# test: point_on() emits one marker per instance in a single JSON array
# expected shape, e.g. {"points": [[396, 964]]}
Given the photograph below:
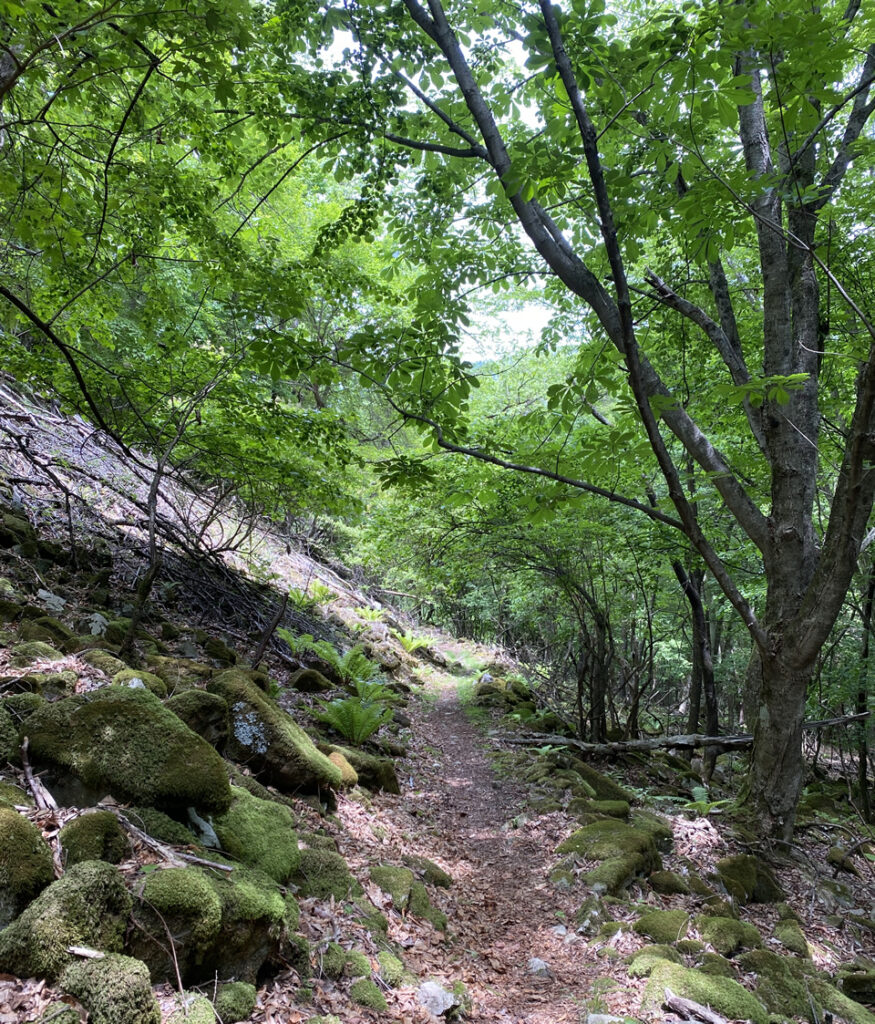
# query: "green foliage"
{"points": [[369, 614], [352, 667], [409, 641], [354, 718], [301, 600]]}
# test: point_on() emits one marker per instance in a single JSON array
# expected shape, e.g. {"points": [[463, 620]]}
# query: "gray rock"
{"points": [[540, 968], [435, 998]]}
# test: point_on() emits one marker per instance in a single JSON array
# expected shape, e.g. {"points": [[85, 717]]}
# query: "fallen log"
{"points": [[688, 1009], [690, 742]]}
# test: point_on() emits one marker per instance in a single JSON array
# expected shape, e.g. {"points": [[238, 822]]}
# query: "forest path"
{"points": [[502, 909]]}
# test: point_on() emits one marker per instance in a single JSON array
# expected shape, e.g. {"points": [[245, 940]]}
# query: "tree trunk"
{"points": [[863, 701]]}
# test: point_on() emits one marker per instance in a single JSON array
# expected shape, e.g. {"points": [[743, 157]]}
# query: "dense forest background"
{"points": [[292, 251]]}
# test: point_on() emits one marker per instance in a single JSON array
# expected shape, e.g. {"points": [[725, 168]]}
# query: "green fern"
{"points": [[301, 600], [370, 614], [354, 718], [369, 692], [409, 642], [350, 668], [321, 594]]}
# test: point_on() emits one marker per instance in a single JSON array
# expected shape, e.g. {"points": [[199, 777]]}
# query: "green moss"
{"points": [[642, 962], [204, 713], [714, 906], [428, 871], [420, 904], [690, 947], [185, 895], [25, 864], [22, 705], [47, 629], [610, 808], [94, 836], [395, 881], [59, 1013], [391, 969], [270, 740], [114, 990], [714, 963], [789, 933], [614, 874], [333, 960], [323, 874], [782, 987], [859, 986], [606, 839], [89, 906], [137, 679], [374, 773], [603, 788], [829, 997], [748, 879], [178, 674], [723, 995], [235, 1001], [366, 993], [668, 883], [195, 1009], [663, 926], [259, 833], [9, 745], [107, 663], [126, 741], [26, 653], [13, 796], [160, 826], [727, 935]]}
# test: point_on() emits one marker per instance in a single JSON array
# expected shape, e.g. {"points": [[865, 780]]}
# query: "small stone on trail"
{"points": [[435, 998], [602, 1018], [540, 968]]}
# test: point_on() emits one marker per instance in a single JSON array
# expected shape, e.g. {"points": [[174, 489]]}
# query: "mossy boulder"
{"points": [[235, 1001], [374, 773], [259, 833], [192, 1009], [25, 864], [24, 654], [107, 663], [428, 871], [269, 740], [9, 745], [204, 713], [604, 787], [723, 995], [89, 906], [178, 674], [789, 933], [727, 935], [715, 963], [337, 962], [420, 904], [668, 883], [324, 874], [48, 629], [643, 961], [137, 679], [391, 968], [160, 826], [748, 880], [113, 989], [59, 1013], [127, 743], [14, 796], [94, 836], [625, 852], [22, 705], [349, 776], [395, 881], [310, 680], [367, 993], [231, 923], [859, 986], [663, 926]]}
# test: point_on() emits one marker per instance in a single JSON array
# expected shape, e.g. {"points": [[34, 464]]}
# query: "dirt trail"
{"points": [[502, 909]]}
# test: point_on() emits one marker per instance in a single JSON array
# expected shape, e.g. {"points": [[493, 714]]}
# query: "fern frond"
{"points": [[353, 718]]}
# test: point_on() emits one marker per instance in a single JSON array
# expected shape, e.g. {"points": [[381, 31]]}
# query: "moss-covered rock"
{"points": [[269, 740], [259, 833], [114, 989], [22, 705], [160, 826], [624, 851], [137, 679], [391, 968], [727, 935], [789, 933], [235, 1001], [94, 836], [89, 906], [48, 630], [668, 883], [610, 808], [643, 961], [367, 993], [603, 787], [126, 742], [204, 713], [748, 880], [310, 680], [420, 904], [349, 776], [714, 963], [374, 773], [395, 881], [663, 926], [724, 995], [25, 864], [192, 1009], [230, 923], [14, 796], [27, 653], [9, 746], [428, 871], [859, 986], [59, 1013], [323, 874], [100, 659]]}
